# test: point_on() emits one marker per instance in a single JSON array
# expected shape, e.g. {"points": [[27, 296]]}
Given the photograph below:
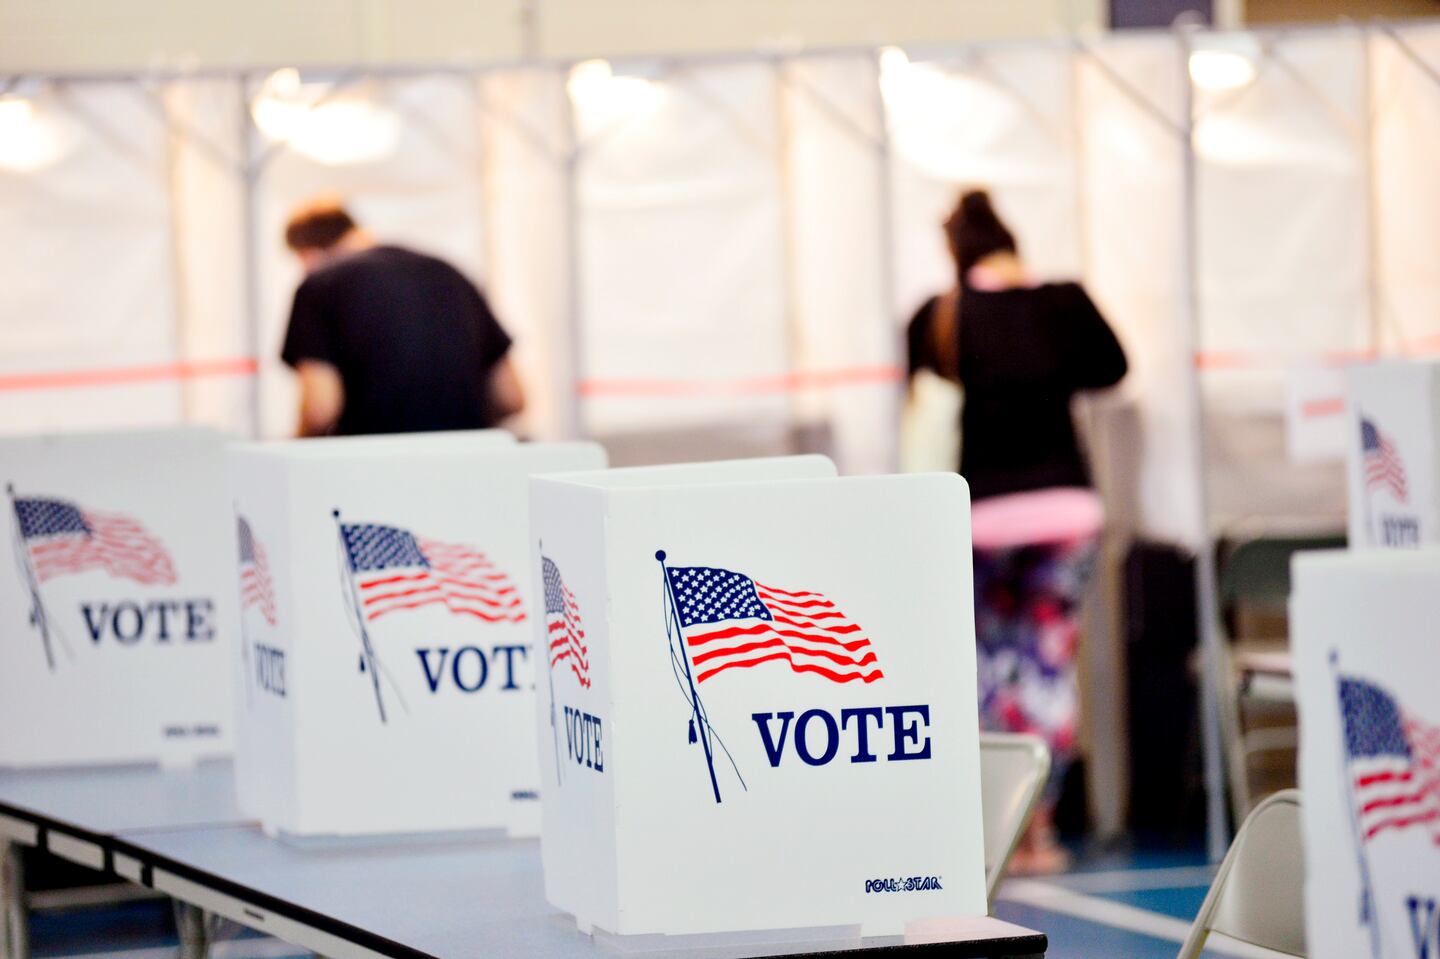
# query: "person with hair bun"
{"points": [[1021, 350]]}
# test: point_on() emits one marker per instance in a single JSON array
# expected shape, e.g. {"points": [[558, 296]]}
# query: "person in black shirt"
{"points": [[387, 340], [1021, 351]]}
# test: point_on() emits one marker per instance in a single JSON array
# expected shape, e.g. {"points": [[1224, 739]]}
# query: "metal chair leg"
{"points": [[14, 917], [194, 929]]}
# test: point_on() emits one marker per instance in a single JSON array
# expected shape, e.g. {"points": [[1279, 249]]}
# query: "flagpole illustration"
{"points": [[698, 720], [1367, 892], [550, 675], [1366, 493], [367, 651], [39, 618]]}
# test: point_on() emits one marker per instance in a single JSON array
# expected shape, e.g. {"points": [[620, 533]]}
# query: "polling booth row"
{"points": [[670, 675], [665, 239], [665, 673]]}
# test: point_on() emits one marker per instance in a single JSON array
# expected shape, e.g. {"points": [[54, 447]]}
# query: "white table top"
{"points": [[449, 897]]}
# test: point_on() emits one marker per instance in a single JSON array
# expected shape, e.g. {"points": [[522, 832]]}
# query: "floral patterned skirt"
{"points": [[1027, 629]]}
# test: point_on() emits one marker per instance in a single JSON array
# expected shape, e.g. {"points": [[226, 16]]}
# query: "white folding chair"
{"points": [[1259, 893], [1013, 770]]}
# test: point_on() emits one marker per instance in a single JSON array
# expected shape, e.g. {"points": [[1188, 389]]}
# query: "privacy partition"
{"points": [[733, 244]]}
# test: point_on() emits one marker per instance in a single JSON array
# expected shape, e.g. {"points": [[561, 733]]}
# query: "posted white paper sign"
{"points": [[760, 709], [1367, 661], [386, 604], [117, 613]]}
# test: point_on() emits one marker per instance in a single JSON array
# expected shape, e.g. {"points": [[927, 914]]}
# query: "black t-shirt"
{"points": [[1024, 353], [414, 341]]}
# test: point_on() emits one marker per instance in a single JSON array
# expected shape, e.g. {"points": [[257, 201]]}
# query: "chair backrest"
{"points": [[1259, 894], [1013, 770]]}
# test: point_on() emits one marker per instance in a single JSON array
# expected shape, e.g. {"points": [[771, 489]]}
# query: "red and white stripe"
{"points": [[807, 631], [256, 587], [459, 577], [117, 544], [1391, 793], [1385, 469], [567, 639]]}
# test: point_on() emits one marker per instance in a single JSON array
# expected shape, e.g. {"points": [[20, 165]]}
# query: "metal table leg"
{"points": [[14, 918], [194, 928]]}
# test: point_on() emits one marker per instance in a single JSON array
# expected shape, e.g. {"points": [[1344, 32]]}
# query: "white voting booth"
{"points": [[117, 609], [386, 598], [760, 709], [1394, 416], [1363, 626]]}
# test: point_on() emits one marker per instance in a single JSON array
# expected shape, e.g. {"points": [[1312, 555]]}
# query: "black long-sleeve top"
{"points": [[1024, 352]]}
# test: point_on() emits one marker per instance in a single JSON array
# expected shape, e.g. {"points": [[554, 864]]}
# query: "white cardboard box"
{"points": [[1393, 413], [693, 779], [1367, 663], [116, 599], [386, 595]]}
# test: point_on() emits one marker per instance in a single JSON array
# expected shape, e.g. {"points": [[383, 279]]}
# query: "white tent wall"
{"points": [[1405, 100], [683, 298], [527, 198], [1287, 284], [848, 352], [89, 319], [207, 212]]}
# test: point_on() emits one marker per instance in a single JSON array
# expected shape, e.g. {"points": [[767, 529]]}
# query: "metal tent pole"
{"points": [[1217, 830], [575, 414]]}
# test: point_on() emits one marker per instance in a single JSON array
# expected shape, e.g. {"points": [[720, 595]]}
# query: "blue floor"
{"points": [[1166, 886]]}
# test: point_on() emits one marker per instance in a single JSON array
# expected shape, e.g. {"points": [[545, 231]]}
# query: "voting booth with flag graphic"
{"points": [[1393, 416], [116, 613], [386, 601], [757, 672], [1366, 660]]}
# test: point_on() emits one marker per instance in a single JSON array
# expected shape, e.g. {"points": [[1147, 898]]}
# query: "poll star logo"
{"points": [[1392, 787], [386, 570], [56, 537], [719, 622]]}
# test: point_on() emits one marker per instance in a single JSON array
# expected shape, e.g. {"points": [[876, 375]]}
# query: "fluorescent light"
{"points": [[601, 96], [29, 140], [333, 131], [1221, 69]]}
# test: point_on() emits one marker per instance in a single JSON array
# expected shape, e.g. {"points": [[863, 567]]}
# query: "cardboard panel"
{"points": [[116, 600], [774, 670]]}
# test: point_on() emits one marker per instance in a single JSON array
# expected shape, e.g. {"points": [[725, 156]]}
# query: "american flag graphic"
{"points": [[730, 621], [257, 589], [62, 538], [563, 625], [397, 570], [1394, 761], [1381, 461]]}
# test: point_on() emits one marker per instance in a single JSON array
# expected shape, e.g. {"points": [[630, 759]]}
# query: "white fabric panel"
{"points": [[207, 203], [425, 194], [681, 252], [87, 271], [1406, 101], [1282, 208], [530, 282], [1284, 261], [845, 330], [1132, 112], [1000, 119]]}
